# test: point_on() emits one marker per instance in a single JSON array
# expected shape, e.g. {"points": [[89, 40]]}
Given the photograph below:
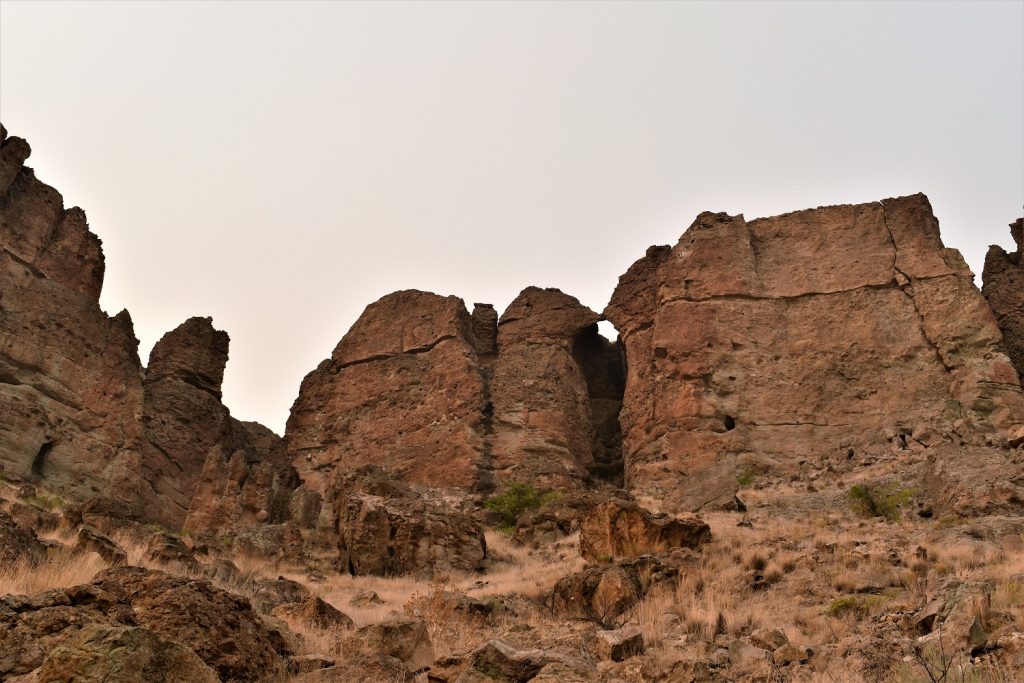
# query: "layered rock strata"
{"points": [[80, 414], [845, 328]]}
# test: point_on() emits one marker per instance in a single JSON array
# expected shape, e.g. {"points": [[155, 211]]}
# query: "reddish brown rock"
{"points": [[79, 415], [603, 592], [1004, 289], [388, 527], [219, 627], [403, 390], [70, 383], [550, 355], [122, 654], [782, 338], [620, 528], [18, 544]]}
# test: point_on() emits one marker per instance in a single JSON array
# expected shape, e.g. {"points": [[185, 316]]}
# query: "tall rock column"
{"points": [[70, 377], [544, 426], [761, 343], [404, 390], [1003, 287]]}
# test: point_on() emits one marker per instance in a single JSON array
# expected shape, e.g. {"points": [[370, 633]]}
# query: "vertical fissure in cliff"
{"points": [[603, 364]]}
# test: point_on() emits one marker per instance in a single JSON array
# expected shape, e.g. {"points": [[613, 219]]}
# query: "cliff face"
{"points": [[1004, 289], [759, 344], [846, 331], [403, 390], [444, 398], [80, 414], [70, 377]]}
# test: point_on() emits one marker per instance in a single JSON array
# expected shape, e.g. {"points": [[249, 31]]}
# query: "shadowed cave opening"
{"points": [[603, 364], [39, 461]]}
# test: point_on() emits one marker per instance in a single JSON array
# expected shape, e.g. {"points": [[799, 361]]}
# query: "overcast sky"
{"points": [[280, 166]]}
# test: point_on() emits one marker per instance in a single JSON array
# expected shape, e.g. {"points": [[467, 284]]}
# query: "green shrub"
{"points": [[50, 503], [882, 501], [746, 476], [516, 498]]}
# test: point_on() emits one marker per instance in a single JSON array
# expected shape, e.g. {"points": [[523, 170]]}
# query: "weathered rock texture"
{"points": [[388, 527], [70, 378], [444, 398], [1004, 289], [80, 415], [402, 390], [555, 374], [844, 327], [620, 528]]}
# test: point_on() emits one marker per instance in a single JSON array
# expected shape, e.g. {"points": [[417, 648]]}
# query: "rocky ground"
{"points": [[802, 460], [806, 584]]}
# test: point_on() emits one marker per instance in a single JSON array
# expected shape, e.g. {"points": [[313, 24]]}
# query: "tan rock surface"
{"points": [[388, 527], [787, 337], [620, 528]]}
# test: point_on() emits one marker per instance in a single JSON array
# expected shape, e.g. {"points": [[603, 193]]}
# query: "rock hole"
{"points": [[39, 462], [730, 423]]}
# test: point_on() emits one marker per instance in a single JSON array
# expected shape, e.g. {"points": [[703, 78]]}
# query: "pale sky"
{"points": [[278, 166]]}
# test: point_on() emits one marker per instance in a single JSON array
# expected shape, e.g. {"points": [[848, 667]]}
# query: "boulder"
{"points": [[220, 627], [604, 592], [271, 593], [621, 528], [619, 644], [1004, 290], [90, 540], [168, 549], [388, 527], [772, 341], [498, 660], [17, 543], [122, 654], [404, 640], [313, 611]]}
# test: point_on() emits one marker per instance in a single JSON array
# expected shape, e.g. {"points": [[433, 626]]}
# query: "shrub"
{"points": [[746, 476], [882, 501], [518, 497], [50, 503]]}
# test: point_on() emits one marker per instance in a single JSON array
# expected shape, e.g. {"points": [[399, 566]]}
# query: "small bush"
{"points": [[50, 503], [746, 476], [518, 497], [882, 501]]}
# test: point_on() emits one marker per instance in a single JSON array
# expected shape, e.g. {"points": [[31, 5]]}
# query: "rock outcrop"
{"points": [[619, 528], [554, 375], [387, 527], [1003, 287], [70, 378], [80, 415], [403, 390], [775, 340]]}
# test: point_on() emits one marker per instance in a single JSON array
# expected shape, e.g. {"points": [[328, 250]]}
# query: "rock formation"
{"points": [[388, 527], [1004, 289], [554, 392], [70, 378], [440, 397], [403, 390], [832, 329], [80, 414], [620, 528]]}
